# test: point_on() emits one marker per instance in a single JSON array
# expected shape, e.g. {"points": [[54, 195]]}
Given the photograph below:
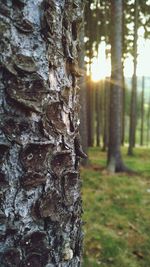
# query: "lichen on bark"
{"points": [[40, 203]]}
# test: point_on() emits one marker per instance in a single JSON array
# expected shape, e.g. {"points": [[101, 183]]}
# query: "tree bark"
{"points": [[40, 207], [133, 111], [115, 163]]}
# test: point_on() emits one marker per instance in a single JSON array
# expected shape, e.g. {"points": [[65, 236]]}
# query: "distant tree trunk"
{"points": [[90, 87], [83, 96], [91, 111], [133, 105], [106, 86], [148, 122], [142, 112], [123, 79], [115, 163], [123, 110], [106, 113], [40, 203], [98, 112]]}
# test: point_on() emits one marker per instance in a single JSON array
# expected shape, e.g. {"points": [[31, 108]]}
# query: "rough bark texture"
{"points": [[40, 203], [133, 108], [114, 155]]}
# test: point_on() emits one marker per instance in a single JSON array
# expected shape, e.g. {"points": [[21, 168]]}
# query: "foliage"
{"points": [[116, 212]]}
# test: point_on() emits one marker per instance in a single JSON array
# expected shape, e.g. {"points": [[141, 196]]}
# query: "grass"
{"points": [[116, 212]]}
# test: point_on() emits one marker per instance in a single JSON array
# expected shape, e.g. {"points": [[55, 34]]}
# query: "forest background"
{"points": [[116, 198]]}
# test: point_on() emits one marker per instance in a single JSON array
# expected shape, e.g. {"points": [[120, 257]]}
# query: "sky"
{"points": [[143, 68], [102, 67]]}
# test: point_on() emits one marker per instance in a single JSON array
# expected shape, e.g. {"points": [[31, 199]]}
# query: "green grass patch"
{"points": [[116, 212]]}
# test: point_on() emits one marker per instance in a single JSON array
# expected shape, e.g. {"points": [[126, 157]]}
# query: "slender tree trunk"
{"points": [[148, 122], [123, 110], [90, 87], [91, 112], [133, 111], [98, 113], [142, 112], [106, 113], [40, 205], [83, 96], [106, 86], [123, 79], [114, 154], [102, 107]]}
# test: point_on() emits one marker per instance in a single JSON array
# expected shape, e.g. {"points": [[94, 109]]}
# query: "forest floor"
{"points": [[116, 212]]}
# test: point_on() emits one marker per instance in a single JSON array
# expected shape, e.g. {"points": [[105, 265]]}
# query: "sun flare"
{"points": [[101, 66], [100, 70]]}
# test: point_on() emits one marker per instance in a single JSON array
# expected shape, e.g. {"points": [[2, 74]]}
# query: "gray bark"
{"points": [[114, 154], [40, 207]]}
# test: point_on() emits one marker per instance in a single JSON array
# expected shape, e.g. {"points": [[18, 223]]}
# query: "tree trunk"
{"points": [[90, 87], [91, 111], [106, 113], [123, 111], [148, 123], [123, 78], [133, 111], [40, 205], [142, 112], [83, 96], [106, 86], [98, 112], [114, 154]]}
